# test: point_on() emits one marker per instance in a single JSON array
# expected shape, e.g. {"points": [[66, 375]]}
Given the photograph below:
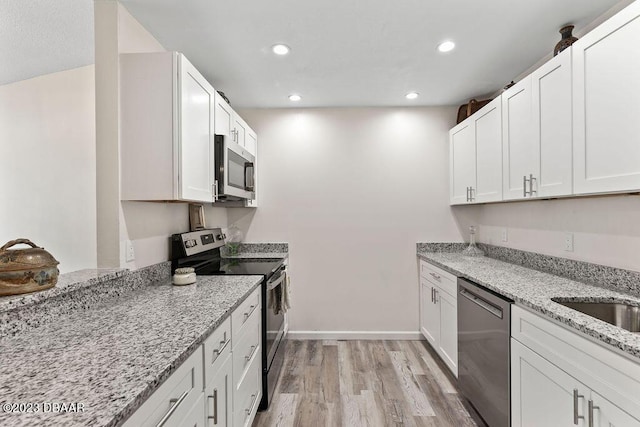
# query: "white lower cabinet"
{"points": [[171, 403], [219, 395], [559, 378], [439, 313], [220, 384]]}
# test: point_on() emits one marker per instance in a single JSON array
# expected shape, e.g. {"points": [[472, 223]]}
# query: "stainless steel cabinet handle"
{"points": [[215, 407], [435, 276], [250, 355], [468, 193], [591, 408], [432, 294], [247, 315], [253, 404], [471, 190], [435, 296], [531, 181], [176, 403], [576, 396], [218, 351], [524, 186]]}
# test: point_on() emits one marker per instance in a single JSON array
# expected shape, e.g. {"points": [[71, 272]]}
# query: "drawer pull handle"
{"points": [[435, 276], [253, 350], [218, 351], [576, 396], [254, 400], [247, 315], [591, 408], [174, 405], [215, 406]]}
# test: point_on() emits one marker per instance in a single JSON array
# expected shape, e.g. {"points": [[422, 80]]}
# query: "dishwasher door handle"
{"points": [[484, 304]]}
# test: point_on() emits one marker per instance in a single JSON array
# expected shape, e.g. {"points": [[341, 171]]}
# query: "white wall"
{"points": [[148, 225], [351, 191], [47, 165], [605, 230]]}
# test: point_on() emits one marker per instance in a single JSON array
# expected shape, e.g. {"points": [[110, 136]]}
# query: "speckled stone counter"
{"points": [[258, 251], [534, 289], [114, 355]]}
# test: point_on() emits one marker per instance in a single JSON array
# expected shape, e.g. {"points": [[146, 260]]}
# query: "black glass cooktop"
{"points": [[223, 266]]}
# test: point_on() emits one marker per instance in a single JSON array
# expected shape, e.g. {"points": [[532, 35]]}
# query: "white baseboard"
{"points": [[354, 335]]}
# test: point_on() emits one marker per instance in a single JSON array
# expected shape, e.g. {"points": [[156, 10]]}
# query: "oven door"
{"points": [[274, 322], [235, 170]]}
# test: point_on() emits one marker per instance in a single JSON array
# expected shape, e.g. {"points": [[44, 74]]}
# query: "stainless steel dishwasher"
{"points": [[484, 320]]}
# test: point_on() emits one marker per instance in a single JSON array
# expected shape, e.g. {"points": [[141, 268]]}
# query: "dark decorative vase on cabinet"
{"points": [[567, 39]]}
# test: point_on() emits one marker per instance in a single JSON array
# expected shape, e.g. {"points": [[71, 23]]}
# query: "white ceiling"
{"points": [[344, 52], [44, 36]]}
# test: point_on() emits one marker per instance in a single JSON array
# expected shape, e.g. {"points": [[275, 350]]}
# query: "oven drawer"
{"points": [[445, 281], [247, 349], [216, 349], [247, 310], [248, 395], [173, 400]]}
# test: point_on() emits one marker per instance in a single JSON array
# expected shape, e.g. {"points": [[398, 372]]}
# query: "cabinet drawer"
{"points": [[247, 310], [174, 398], [445, 281], [216, 349], [195, 417], [247, 397], [246, 349]]}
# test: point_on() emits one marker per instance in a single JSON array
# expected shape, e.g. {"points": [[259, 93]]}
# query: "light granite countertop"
{"points": [[534, 289], [113, 356]]}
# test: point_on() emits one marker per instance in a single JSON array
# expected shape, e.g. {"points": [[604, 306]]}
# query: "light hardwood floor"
{"points": [[364, 383]]}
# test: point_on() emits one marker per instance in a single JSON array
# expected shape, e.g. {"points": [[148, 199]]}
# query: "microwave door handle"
{"points": [[248, 176]]}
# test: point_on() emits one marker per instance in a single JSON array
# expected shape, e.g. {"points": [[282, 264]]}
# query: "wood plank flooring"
{"points": [[365, 383]]}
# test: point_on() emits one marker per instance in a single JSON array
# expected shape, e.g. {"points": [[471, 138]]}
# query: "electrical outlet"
{"points": [[505, 236], [130, 255], [568, 242]]}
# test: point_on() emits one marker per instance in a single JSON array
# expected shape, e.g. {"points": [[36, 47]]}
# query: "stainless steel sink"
{"points": [[623, 315]]}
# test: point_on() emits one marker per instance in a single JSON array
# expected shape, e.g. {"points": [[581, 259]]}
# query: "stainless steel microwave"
{"points": [[234, 170]]}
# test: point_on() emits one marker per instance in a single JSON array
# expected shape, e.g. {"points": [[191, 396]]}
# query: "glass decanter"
{"points": [[472, 249]]}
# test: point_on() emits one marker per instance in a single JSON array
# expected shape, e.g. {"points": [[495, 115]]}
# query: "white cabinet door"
{"points": [[448, 330], [488, 136], [520, 157], [552, 125], [240, 128], [223, 116], [462, 162], [219, 394], [430, 314], [606, 105], [251, 141], [196, 134], [194, 418], [541, 393], [607, 414]]}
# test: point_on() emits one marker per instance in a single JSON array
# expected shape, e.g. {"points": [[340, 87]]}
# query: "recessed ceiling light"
{"points": [[280, 49], [412, 95], [295, 98], [446, 46]]}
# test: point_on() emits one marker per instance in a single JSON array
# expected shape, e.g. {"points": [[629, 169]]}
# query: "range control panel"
{"points": [[199, 241]]}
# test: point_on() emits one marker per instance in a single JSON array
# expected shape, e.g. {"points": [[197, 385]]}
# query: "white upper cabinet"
{"points": [[196, 134], [230, 124], [488, 138], [519, 154], [606, 99], [462, 162], [475, 157], [167, 125], [552, 126]]}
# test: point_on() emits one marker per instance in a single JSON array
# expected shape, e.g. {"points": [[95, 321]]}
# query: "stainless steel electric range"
{"points": [[201, 251]]}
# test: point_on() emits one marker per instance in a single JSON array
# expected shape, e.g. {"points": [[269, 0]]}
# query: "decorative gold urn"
{"points": [[26, 270]]}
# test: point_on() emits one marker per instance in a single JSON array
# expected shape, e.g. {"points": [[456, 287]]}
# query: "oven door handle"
{"points": [[277, 282], [481, 302]]}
